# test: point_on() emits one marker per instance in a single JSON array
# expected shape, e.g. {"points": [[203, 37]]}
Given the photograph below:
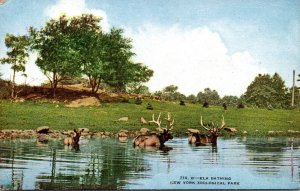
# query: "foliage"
{"points": [[66, 80], [55, 46], [182, 103], [5, 89], [266, 91], [191, 98], [75, 46], [170, 93], [138, 101], [16, 56], [137, 88], [230, 100], [209, 96], [205, 104], [149, 106], [120, 69]]}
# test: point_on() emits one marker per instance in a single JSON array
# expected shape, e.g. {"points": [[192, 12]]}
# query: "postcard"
{"points": [[139, 94]]}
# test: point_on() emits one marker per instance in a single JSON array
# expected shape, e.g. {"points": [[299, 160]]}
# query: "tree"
{"points": [[16, 56], [89, 42], [191, 98], [137, 88], [119, 67], [230, 100], [266, 91], [55, 45], [210, 96]]}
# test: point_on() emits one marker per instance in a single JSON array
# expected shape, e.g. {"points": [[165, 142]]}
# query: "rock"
{"points": [[43, 129], [245, 132], [291, 131], [57, 106], [123, 133], [123, 139], [193, 131], [98, 134], [123, 119], [144, 131], [143, 121], [43, 138], [230, 129], [271, 132]]}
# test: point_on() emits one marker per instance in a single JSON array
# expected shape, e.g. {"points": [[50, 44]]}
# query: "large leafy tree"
{"points": [[267, 91], [56, 48], [118, 66], [208, 96], [89, 42], [17, 56]]}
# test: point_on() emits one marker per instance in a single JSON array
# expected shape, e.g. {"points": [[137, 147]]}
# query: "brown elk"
{"points": [[74, 139], [154, 139], [199, 138]]}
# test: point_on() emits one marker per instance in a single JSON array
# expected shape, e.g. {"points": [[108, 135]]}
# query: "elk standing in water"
{"points": [[198, 138], [74, 139], [156, 140]]}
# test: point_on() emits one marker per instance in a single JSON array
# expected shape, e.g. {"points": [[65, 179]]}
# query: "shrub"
{"points": [[138, 101], [205, 104], [182, 103], [240, 105], [224, 106], [149, 106], [5, 89]]}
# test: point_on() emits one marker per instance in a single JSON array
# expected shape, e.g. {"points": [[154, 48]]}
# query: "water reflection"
{"points": [[110, 164]]}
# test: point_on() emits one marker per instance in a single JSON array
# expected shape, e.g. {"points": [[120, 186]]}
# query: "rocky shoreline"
{"points": [[44, 133]]}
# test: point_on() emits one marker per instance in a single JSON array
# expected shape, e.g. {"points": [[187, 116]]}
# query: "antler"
{"points": [[223, 123], [205, 127], [157, 122], [170, 124]]}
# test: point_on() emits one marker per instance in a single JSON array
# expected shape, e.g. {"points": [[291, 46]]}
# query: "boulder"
{"points": [[43, 129], [123, 133], [42, 138], [123, 119]]}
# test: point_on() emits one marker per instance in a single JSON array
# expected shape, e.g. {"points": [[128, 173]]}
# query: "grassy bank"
{"points": [[30, 115]]}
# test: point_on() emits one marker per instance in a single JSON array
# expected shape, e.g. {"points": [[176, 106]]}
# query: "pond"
{"points": [[105, 163]]}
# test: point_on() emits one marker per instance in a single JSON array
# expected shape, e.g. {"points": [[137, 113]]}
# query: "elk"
{"points": [[154, 139], [74, 139], [199, 138]]}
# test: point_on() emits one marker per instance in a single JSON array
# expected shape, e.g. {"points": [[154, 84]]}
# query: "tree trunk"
{"points": [[54, 84]]}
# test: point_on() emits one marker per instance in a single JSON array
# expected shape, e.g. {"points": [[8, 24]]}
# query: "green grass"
{"points": [[30, 115]]}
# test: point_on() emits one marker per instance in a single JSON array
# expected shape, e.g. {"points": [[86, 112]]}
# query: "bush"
{"points": [[5, 89], [224, 106], [182, 103], [205, 104], [241, 105], [138, 101], [149, 106]]}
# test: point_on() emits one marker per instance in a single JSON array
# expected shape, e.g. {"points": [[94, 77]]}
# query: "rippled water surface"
{"points": [[108, 164]]}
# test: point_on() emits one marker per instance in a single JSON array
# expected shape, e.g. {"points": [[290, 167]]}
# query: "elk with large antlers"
{"points": [[198, 138], [154, 139]]}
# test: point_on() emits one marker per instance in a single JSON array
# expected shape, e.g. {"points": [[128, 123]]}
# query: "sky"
{"points": [[193, 44]]}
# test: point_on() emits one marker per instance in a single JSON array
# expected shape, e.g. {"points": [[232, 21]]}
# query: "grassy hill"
{"points": [[30, 115]]}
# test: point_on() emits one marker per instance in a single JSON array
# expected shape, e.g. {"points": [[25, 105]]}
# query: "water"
{"points": [[236, 163]]}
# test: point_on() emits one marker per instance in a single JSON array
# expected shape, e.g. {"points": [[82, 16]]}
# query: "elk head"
{"points": [[74, 139], [164, 132], [213, 129]]}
